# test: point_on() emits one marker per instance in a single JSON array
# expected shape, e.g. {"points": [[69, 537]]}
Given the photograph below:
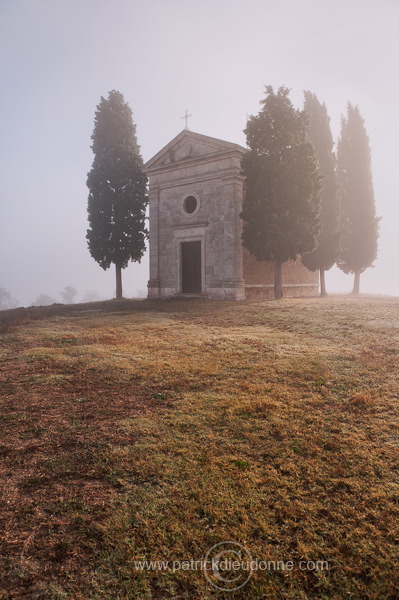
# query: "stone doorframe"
{"points": [[194, 233]]}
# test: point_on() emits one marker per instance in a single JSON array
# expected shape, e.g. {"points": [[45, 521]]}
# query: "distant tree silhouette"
{"points": [[7, 300], [44, 300], [326, 253], [359, 220], [68, 294], [91, 296], [282, 185], [117, 189]]}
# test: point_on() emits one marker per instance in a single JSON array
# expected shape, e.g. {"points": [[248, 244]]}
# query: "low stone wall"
{"points": [[298, 281], [258, 292]]}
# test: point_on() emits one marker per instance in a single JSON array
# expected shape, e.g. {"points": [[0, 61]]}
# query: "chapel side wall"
{"points": [[233, 281], [298, 281], [167, 251], [212, 193], [153, 283]]}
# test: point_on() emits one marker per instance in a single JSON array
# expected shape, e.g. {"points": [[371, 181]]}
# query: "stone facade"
{"points": [[195, 198]]}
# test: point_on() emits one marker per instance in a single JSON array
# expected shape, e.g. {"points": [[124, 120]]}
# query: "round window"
{"points": [[190, 204]]}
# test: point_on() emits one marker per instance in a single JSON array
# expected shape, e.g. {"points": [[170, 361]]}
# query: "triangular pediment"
{"points": [[189, 146]]}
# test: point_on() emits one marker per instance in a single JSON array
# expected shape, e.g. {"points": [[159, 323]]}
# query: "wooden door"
{"points": [[191, 267]]}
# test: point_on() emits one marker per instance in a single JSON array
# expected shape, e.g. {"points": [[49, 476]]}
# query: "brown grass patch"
{"points": [[153, 430]]}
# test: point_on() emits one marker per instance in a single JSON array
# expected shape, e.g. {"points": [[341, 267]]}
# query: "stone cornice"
{"points": [[192, 179], [191, 225], [193, 161]]}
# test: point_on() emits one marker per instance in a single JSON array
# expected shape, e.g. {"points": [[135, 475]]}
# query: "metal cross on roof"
{"points": [[186, 116]]}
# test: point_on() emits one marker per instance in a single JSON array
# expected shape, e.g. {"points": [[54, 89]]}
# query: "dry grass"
{"points": [[154, 430]]}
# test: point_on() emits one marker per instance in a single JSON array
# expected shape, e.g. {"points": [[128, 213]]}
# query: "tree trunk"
{"points": [[356, 284], [118, 272], [278, 283], [323, 291]]}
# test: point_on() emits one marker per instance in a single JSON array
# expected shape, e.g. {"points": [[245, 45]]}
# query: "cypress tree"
{"points": [[282, 185], [117, 189], [359, 221], [326, 253]]}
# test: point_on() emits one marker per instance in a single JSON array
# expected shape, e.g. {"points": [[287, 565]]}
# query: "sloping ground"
{"points": [[152, 431]]}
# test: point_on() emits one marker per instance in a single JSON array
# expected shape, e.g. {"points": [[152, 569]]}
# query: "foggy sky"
{"points": [[213, 57]]}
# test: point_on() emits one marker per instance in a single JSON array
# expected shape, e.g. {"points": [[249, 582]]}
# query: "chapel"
{"points": [[195, 200]]}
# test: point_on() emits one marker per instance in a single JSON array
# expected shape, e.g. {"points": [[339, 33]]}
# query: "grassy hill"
{"points": [[143, 431]]}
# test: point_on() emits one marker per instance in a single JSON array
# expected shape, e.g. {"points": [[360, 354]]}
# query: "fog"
{"points": [[165, 56]]}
